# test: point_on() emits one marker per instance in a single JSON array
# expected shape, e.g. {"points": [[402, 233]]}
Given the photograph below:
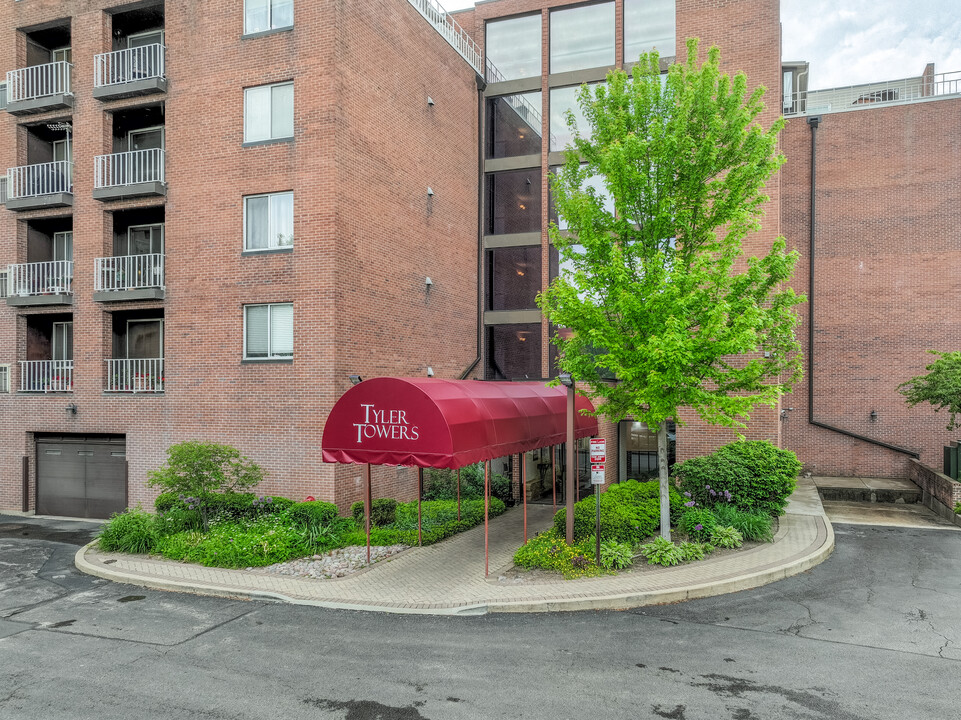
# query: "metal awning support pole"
{"points": [[524, 490], [420, 494], [554, 475], [367, 511], [487, 557], [571, 466], [458, 494]]}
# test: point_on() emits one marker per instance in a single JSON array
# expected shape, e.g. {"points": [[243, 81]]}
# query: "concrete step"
{"points": [[868, 490]]}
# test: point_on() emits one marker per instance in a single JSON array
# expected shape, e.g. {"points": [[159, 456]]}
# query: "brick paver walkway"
{"points": [[449, 576]]}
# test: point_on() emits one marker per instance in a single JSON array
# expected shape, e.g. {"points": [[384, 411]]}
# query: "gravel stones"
{"points": [[334, 564]]}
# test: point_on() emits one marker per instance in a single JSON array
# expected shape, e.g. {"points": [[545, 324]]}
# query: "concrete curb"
{"points": [[601, 602]]}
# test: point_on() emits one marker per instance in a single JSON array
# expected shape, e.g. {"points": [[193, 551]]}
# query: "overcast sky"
{"points": [[849, 42]]}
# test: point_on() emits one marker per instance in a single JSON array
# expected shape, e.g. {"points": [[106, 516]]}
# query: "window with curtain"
{"points": [[269, 331], [263, 15], [269, 112], [582, 37], [269, 221]]}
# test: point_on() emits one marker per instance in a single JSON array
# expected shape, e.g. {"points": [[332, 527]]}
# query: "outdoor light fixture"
{"points": [[566, 380], [72, 409], [355, 379], [430, 371], [430, 101], [874, 416], [428, 282], [430, 191]]}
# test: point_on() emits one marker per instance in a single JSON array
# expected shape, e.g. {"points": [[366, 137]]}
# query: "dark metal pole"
{"points": [[420, 494], [571, 466], [487, 557], [597, 525], [458, 494], [554, 475], [26, 483], [367, 511], [523, 460]]}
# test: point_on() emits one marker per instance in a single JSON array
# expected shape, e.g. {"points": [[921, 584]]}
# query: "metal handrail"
{"points": [[128, 168], [858, 97], [128, 272], [137, 375], [46, 376], [53, 277], [42, 179], [453, 33], [129, 65], [39, 81]]}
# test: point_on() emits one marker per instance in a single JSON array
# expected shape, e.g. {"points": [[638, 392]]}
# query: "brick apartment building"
{"points": [[217, 212]]}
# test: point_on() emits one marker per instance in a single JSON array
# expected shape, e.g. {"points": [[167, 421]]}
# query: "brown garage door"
{"points": [[81, 476]]}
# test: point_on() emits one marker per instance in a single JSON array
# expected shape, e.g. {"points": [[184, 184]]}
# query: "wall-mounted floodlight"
{"points": [[430, 191], [430, 371], [874, 416], [430, 101], [72, 409], [566, 380], [355, 379], [429, 283]]}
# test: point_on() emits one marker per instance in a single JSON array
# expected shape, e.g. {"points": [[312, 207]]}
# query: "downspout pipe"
{"points": [[813, 122], [481, 86]]}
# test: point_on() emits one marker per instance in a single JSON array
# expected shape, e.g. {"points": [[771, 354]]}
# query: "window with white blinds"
{"points": [[4, 286], [4, 378], [269, 221], [269, 331]]}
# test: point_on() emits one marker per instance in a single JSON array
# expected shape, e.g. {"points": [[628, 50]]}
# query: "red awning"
{"points": [[428, 422]]}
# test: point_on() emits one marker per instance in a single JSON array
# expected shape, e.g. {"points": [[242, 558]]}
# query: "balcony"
{"points": [[46, 376], [30, 187], [39, 88], [40, 283], [129, 174], [130, 72], [135, 376], [129, 277]]}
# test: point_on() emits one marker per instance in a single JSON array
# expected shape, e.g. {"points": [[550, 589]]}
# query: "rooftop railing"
{"points": [[38, 81], [129, 65], [858, 97], [453, 33]]}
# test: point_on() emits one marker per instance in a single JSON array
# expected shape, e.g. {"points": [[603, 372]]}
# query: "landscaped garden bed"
{"points": [[718, 502], [208, 518]]}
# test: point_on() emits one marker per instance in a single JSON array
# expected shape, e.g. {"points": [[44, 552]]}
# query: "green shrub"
{"points": [[637, 492], [695, 551], [549, 551], [755, 526], [131, 531], [726, 537], [661, 551], [755, 474], [439, 518], [441, 484], [616, 555], [224, 506], [620, 521], [313, 511], [698, 524], [237, 544], [382, 512], [957, 508]]}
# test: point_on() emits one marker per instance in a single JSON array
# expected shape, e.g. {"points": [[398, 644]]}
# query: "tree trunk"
{"points": [[662, 474]]}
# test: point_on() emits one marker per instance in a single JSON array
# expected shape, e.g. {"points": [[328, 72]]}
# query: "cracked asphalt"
{"points": [[872, 633]]}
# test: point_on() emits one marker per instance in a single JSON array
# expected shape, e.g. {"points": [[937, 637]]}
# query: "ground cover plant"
{"points": [[247, 530], [550, 551]]}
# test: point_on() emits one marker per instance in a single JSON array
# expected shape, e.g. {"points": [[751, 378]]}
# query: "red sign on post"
{"points": [[598, 460]]}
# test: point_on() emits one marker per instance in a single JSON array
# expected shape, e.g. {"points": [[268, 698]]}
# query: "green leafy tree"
{"points": [[659, 295], [941, 386], [197, 470]]}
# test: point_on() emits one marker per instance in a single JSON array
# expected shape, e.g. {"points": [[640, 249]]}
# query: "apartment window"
{"points": [[269, 112], [513, 48], [4, 287], [3, 96], [648, 25], [269, 221], [3, 190], [4, 378], [582, 37], [269, 331], [264, 15]]}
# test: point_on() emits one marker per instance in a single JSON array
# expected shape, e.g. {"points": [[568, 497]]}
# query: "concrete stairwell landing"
{"points": [[867, 489]]}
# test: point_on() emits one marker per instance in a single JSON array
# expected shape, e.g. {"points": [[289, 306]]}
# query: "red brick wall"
{"points": [[888, 212], [366, 146]]}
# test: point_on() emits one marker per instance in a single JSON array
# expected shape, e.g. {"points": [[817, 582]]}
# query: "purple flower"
{"points": [[687, 494], [690, 504], [713, 494], [698, 527], [707, 487]]}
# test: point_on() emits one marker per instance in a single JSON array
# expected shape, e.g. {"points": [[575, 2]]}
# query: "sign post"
{"points": [[598, 462]]}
